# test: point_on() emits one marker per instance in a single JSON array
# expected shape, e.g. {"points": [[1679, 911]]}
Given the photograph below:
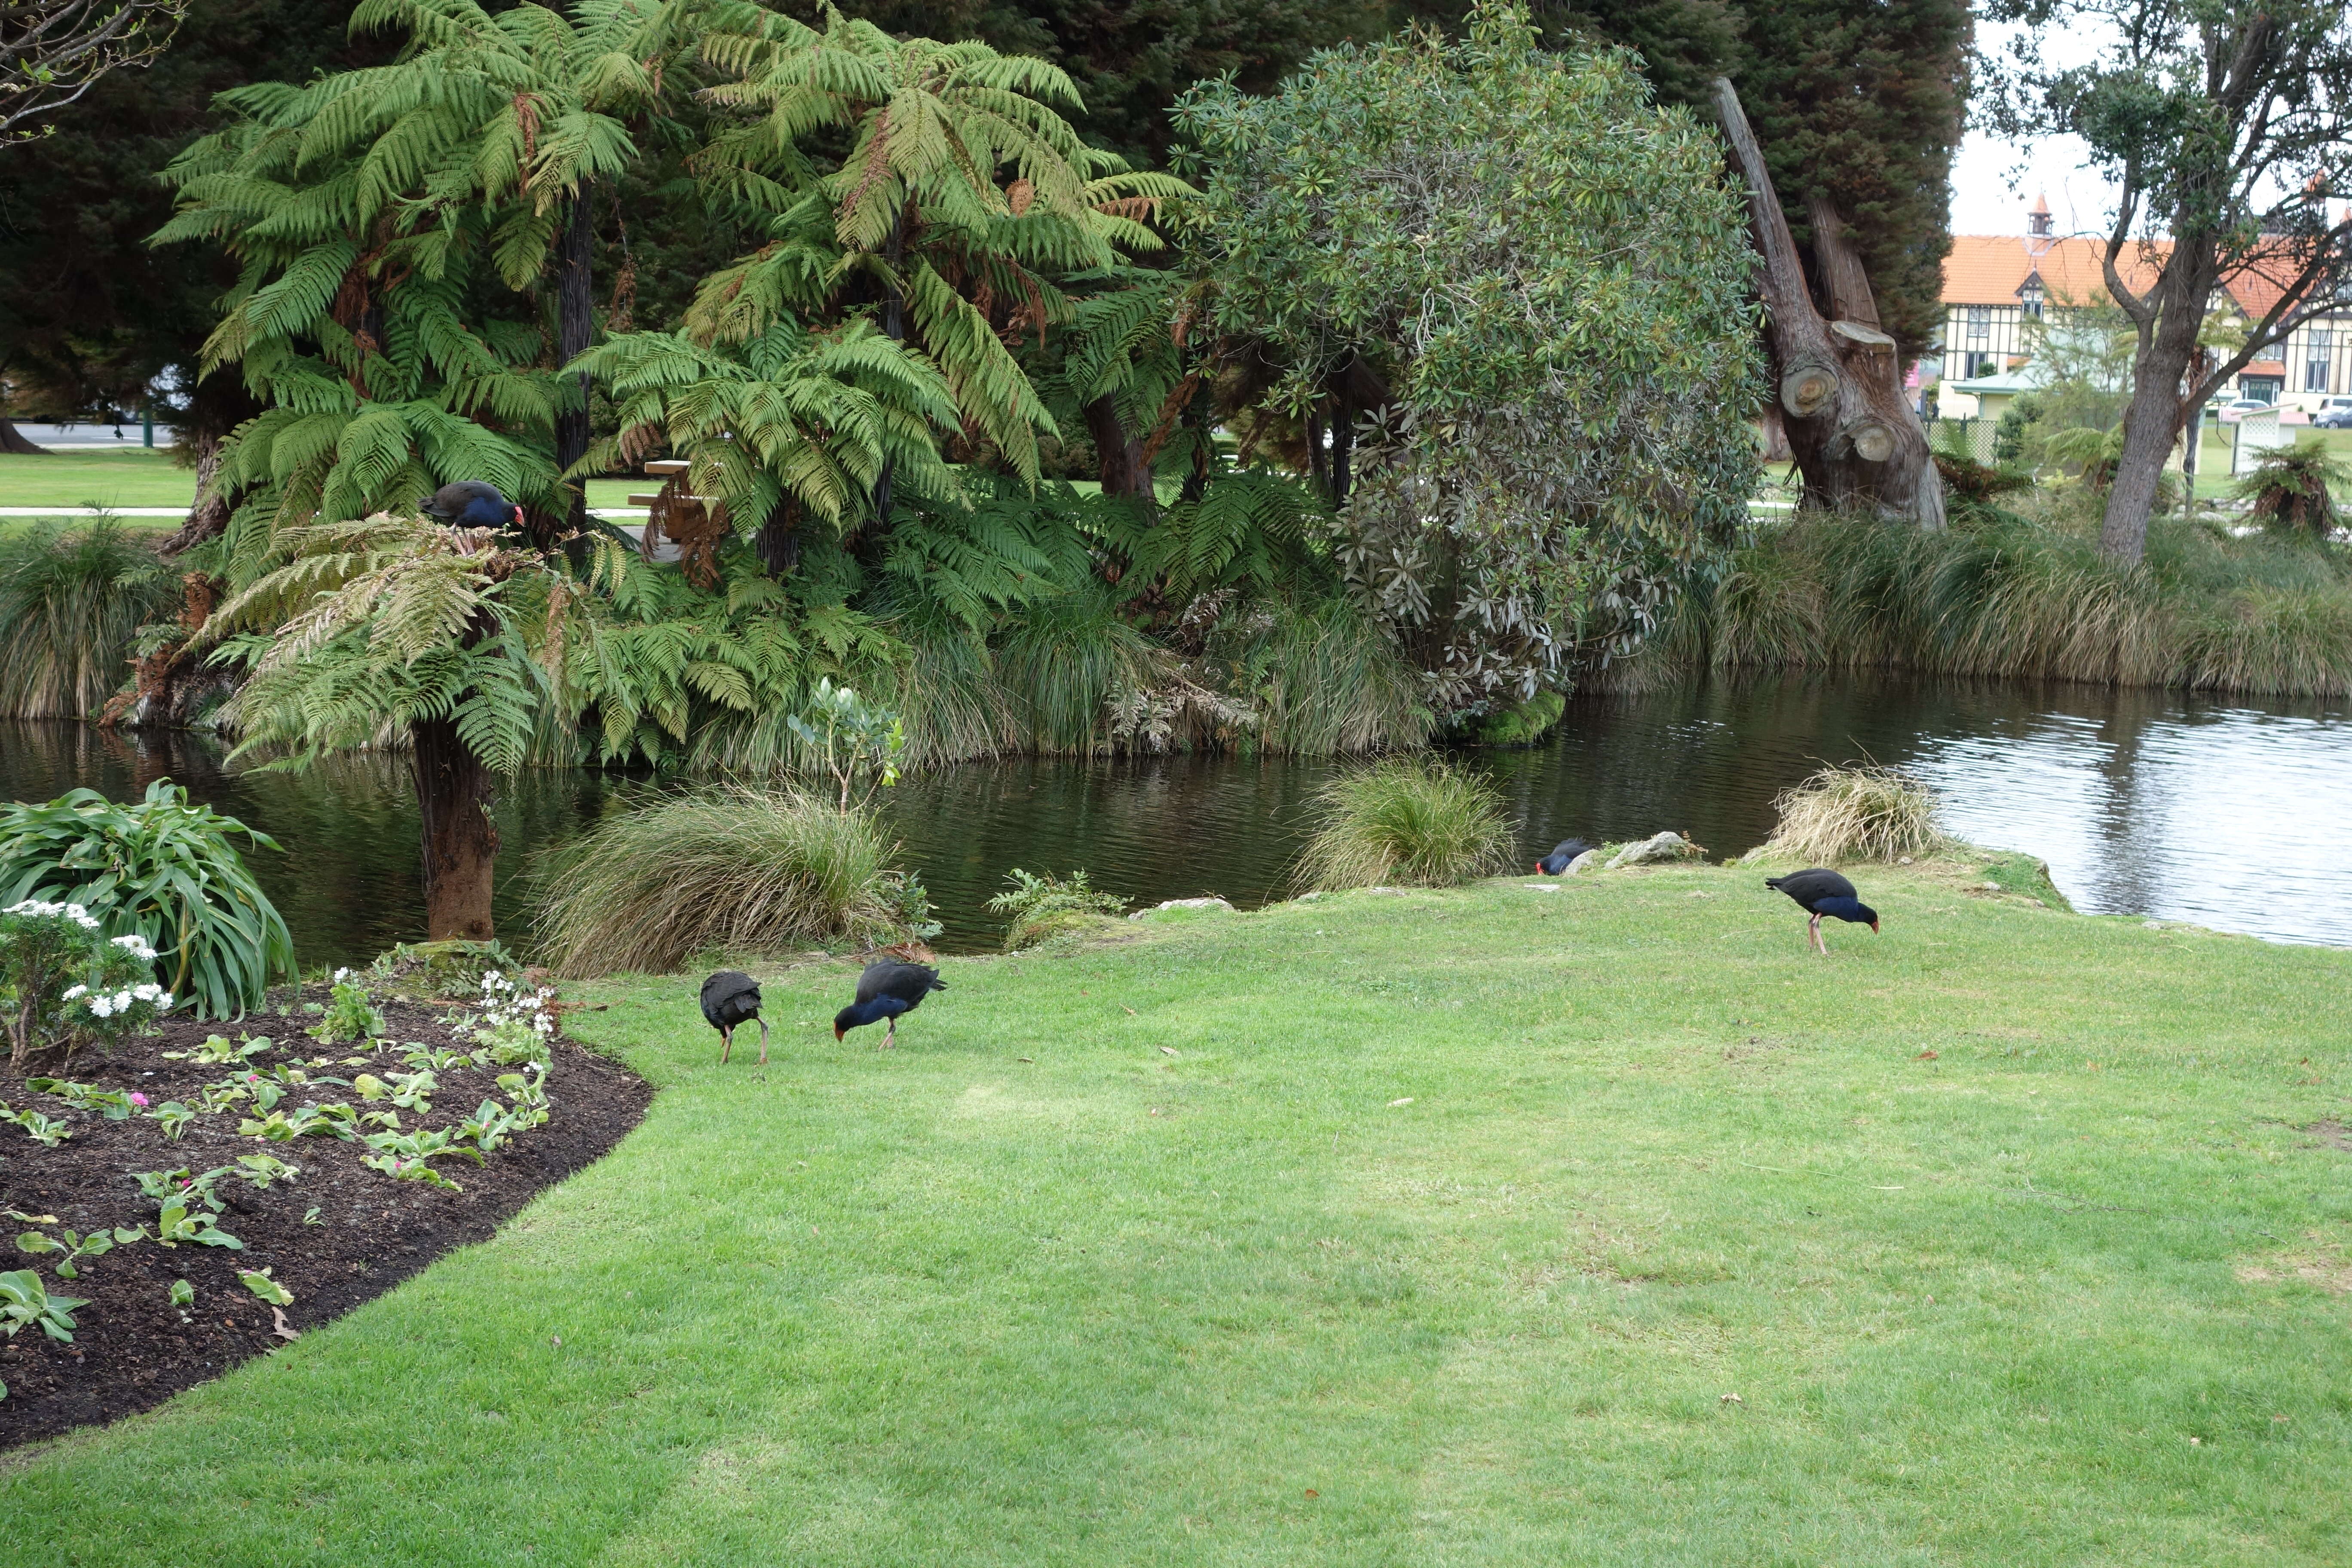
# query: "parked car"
{"points": [[2237, 409], [2334, 419]]}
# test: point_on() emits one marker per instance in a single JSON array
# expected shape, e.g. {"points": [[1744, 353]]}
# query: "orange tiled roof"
{"points": [[1989, 268], [2263, 367]]}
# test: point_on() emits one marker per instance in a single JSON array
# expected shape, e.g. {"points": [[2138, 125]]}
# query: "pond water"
{"points": [[2230, 814]]}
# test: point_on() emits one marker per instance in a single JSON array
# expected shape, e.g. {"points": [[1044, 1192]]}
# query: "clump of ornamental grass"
{"points": [[1410, 820], [730, 868], [1855, 814], [72, 603]]}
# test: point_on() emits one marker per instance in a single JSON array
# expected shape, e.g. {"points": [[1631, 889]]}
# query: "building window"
{"points": [[1979, 324], [2317, 346], [2029, 297]]}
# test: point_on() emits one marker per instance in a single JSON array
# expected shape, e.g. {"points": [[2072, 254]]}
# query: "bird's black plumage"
{"points": [[1821, 891], [889, 987], [731, 998], [1563, 854], [470, 503]]}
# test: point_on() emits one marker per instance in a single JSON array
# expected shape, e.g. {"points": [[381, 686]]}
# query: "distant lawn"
{"points": [[137, 477], [1601, 1226]]}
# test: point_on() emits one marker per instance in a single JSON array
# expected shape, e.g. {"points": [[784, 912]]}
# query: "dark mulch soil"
{"points": [[131, 1349]]}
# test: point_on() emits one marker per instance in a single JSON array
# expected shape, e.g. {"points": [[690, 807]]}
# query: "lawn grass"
{"points": [[139, 477], [1601, 1225]]}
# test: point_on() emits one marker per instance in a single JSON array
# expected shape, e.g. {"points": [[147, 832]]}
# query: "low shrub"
{"points": [[163, 869], [64, 981], [730, 868], [1855, 814], [1039, 908], [1415, 820], [2289, 488]]}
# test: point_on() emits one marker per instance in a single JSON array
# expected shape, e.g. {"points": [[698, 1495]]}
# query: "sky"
{"points": [[1994, 182]]}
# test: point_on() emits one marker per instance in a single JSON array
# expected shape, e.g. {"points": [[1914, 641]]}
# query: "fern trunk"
{"points": [[1119, 456], [575, 325], [894, 327], [461, 840]]}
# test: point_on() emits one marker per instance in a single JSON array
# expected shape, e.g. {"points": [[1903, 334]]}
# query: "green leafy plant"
{"points": [[43, 1130], [216, 1049], [177, 1223], [258, 1282], [161, 869], [181, 1293], [2290, 489], [114, 1104], [173, 1118], [281, 1127], [859, 742], [74, 1246], [62, 978], [1037, 908], [350, 1015], [1412, 820], [24, 1301]]}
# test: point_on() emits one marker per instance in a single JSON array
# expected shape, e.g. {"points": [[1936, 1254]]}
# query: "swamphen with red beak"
{"points": [[886, 989], [731, 997], [470, 503], [1563, 854], [1824, 892]]}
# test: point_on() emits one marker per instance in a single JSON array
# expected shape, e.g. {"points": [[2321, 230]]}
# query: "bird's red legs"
{"points": [[763, 1042], [1818, 942], [726, 1043]]}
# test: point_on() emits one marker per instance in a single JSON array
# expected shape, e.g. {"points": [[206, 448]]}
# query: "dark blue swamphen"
{"points": [[470, 503], [1563, 854], [887, 988], [1820, 892], [731, 998]]}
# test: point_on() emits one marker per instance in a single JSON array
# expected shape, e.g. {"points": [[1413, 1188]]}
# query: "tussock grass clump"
{"points": [[729, 869], [70, 605], [1855, 814], [1413, 820], [2001, 594]]}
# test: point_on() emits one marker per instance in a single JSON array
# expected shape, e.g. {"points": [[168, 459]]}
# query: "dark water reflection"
{"points": [[2229, 815]]}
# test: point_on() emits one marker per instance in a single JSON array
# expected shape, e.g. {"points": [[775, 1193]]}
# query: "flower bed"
{"points": [[204, 1194]]}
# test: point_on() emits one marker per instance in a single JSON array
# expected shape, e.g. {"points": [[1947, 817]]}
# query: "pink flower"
{"points": [[137, 1098]]}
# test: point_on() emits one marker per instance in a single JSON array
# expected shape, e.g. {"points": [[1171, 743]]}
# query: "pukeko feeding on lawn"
{"points": [[1563, 854], [470, 503], [887, 988], [731, 997], [1824, 892]]}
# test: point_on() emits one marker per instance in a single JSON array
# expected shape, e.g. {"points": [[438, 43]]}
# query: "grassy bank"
{"points": [[2004, 595], [1598, 1225]]}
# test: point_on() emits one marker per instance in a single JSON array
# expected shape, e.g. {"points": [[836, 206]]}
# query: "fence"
{"points": [[1968, 438], [2257, 432]]}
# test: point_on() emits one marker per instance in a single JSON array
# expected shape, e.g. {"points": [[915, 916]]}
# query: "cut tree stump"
{"points": [[1856, 438]]}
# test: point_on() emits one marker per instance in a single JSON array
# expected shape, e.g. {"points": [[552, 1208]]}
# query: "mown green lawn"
{"points": [[1604, 1225], [140, 477]]}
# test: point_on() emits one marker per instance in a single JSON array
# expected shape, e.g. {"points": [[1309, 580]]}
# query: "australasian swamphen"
{"points": [[1820, 891], [731, 998], [887, 988], [470, 503], [1563, 855]]}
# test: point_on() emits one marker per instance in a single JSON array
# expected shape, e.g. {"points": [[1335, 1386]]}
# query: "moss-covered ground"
{"points": [[1604, 1225]]}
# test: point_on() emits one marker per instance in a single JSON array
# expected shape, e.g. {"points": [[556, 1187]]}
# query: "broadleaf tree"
{"points": [[1550, 277], [2223, 125]]}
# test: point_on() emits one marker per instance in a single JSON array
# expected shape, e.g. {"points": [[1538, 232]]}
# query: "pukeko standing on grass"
{"points": [[729, 998], [887, 988], [470, 503], [1824, 892], [1563, 855]]}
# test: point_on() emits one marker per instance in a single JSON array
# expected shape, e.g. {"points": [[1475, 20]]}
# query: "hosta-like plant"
{"points": [[162, 870]]}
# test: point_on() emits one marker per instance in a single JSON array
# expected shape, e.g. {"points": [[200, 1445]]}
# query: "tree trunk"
{"points": [[2152, 422], [575, 304], [1854, 434], [461, 841], [779, 539], [12, 441], [209, 516], [1119, 456], [1343, 445], [894, 327]]}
